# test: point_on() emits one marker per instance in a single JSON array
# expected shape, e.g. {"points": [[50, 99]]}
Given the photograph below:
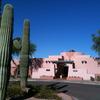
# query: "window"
{"points": [[48, 62], [73, 65], [47, 69], [98, 63], [84, 62], [75, 70]]}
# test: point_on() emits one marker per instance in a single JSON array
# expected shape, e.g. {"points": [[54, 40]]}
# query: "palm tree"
{"points": [[16, 49]]}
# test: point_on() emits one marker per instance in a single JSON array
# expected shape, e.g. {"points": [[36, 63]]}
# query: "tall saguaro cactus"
{"points": [[24, 57], [0, 11], [5, 48]]}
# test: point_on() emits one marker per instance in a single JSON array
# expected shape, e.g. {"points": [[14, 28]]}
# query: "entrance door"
{"points": [[65, 72], [61, 71]]}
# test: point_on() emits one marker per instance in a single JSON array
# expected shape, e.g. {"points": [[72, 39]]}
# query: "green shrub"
{"points": [[14, 90], [92, 79], [43, 92], [47, 93], [98, 78]]}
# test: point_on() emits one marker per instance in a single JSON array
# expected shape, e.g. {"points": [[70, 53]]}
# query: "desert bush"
{"points": [[47, 93], [44, 92], [14, 90], [98, 78], [92, 79]]}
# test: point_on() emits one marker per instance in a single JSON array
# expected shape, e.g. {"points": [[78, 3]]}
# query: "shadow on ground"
{"points": [[58, 87]]}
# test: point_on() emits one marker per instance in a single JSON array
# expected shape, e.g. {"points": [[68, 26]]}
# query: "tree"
{"points": [[96, 42], [16, 46], [32, 49], [16, 49]]}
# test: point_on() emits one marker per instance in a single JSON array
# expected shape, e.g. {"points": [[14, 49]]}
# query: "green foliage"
{"points": [[14, 90], [98, 78], [92, 79], [16, 49], [96, 42], [47, 93], [17, 46], [24, 57], [32, 48], [36, 91], [5, 48]]}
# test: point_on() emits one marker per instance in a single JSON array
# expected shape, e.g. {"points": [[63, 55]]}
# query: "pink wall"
{"points": [[85, 66]]}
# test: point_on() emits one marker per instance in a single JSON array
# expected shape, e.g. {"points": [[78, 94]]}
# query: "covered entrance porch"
{"points": [[61, 68]]}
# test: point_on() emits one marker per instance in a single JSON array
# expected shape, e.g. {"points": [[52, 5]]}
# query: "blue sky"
{"points": [[58, 25]]}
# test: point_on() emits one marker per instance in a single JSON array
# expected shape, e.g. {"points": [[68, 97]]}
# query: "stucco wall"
{"points": [[85, 65], [45, 71]]}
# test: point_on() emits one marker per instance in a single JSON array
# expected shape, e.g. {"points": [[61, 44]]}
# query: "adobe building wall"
{"points": [[85, 66]]}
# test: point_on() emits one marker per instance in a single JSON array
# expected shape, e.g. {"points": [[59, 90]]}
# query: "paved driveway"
{"points": [[81, 91]]}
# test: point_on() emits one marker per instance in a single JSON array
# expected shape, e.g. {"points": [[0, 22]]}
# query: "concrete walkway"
{"points": [[62, 95]]}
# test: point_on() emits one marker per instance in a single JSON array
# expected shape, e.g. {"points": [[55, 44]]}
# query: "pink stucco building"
{"points": [[67, 65]]}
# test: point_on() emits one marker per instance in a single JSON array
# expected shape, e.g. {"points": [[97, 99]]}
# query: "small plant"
{"points": [[42, 92], [14, 90], [98, 78], [92, 79], [47, 93]]}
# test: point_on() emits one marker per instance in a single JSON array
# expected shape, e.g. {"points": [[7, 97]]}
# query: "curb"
{"points": [[67, 81], [62, 95], [65, 96]]}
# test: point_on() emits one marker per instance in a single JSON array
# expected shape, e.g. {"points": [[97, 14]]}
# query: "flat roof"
{"points": [[62, 61]]}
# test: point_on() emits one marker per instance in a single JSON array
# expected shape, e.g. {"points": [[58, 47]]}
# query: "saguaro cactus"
{"points": [[5, 48], [0, 11], [24, 57]]}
